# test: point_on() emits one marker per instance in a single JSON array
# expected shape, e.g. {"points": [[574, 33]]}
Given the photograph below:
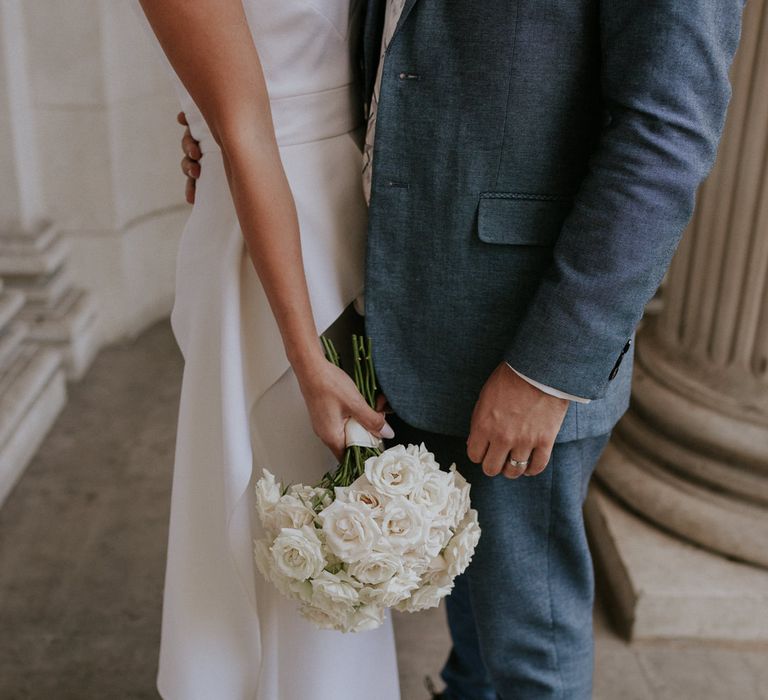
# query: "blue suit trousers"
{"points": [[521, 615]]}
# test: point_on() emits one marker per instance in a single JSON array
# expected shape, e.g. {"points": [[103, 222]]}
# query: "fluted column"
{"points": [[692, 453]]}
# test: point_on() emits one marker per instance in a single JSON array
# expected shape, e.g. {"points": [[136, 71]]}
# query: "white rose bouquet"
{"points": [[387, 528]]}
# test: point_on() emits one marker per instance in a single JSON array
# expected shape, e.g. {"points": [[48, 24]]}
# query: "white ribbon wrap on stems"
{"points": [[356, 434]]}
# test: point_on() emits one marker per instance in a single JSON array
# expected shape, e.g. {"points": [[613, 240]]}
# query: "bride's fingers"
{"points": [[332, 436], [373, 421], [382, 404]]}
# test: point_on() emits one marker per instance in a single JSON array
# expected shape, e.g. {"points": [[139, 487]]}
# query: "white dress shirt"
{"points": [[393, 11]]}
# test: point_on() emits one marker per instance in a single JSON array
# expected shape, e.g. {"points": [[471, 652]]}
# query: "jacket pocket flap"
{"points": [[521, 219]]}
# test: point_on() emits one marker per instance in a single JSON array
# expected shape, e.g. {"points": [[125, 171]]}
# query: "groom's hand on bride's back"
{"points": [[190, 164], [514, 420]]}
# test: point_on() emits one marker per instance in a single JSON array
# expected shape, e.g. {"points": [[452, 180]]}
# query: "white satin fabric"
{"points": [[227, 635]]}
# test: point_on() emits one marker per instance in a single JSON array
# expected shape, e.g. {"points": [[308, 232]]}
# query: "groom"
{"points": [[535, 163]]}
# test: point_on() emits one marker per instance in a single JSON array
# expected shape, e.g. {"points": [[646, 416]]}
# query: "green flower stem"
{"points": [[352, 464]]}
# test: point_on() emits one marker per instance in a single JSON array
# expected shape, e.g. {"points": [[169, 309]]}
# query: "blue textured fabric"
{"points": [[535, 164], [521, 615]]}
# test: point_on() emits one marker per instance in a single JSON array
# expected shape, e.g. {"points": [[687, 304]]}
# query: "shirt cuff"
{"points": [[548, 389]]}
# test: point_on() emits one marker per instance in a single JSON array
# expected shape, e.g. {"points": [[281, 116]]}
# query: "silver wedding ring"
{"points": [[519, 462]]}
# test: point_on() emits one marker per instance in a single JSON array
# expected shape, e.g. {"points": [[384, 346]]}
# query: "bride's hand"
{"points": [[332, 397]]}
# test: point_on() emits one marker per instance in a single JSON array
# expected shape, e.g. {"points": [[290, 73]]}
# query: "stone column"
{"points": [[691, 455], [106, 126], [32, 386]]}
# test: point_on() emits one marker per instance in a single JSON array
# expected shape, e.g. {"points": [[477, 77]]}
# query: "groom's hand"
{"points": [[190, 164], [513, 419]]}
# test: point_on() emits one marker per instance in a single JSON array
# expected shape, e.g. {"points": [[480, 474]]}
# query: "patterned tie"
{"points": [[394, 10]]}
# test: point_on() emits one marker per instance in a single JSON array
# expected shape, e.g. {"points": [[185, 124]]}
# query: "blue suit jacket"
{"points": [[535, 165]]}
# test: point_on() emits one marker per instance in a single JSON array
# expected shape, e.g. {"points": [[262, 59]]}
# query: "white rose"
{"points": [[267, 489], [458, 500], [394, 472], [300, 589], [324, 497], [463, 486], [338, 588], [433, 491], [392, 591], [290, 512], [424, 456], [459, 551], [301, 491], [437, 574], [437, 537], [362, 491], [403, 524], [290, 587], [449, 515], [428, 596], [350, 530], [417, 558], [325, 619], [267, 492], [366, 617], [377, 568], [298, 553]]}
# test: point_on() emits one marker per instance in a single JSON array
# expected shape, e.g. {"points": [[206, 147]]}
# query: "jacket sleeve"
{"points": [[665, 87]]}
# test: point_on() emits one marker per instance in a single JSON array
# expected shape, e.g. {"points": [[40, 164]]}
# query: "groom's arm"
{"points": [[665, 87]]}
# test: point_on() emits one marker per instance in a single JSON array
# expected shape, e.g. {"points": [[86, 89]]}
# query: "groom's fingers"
{"points": [[521, 455], [495, 459], [539, 460], [476, 447]]}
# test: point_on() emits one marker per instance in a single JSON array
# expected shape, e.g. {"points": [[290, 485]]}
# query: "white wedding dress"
{"points": [[226, 634]]}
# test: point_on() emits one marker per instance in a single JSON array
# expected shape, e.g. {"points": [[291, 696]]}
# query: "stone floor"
{"points": [[82, 540]]}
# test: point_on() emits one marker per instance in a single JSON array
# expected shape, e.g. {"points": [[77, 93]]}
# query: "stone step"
{"points": [[11, 338], [32, 393], [59, 322], [21, 381], [665, 588], [42, 289], [11, 302], [22, 242], [69, 326], [31, 261]]}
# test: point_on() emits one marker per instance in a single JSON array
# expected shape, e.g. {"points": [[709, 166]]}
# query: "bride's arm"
{"points": [[209, 45]]}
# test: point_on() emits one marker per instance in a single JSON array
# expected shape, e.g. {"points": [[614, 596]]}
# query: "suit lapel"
{"points": [[404, 16], [372, 30]]}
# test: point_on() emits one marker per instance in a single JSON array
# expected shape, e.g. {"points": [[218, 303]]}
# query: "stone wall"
{"points": [[92, 202]]}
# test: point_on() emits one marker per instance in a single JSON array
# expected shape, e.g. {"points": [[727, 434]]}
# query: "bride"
{"points": [[271, 256]]}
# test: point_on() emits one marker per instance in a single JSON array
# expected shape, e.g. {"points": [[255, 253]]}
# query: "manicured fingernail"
{"points": [[387, 432]]}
